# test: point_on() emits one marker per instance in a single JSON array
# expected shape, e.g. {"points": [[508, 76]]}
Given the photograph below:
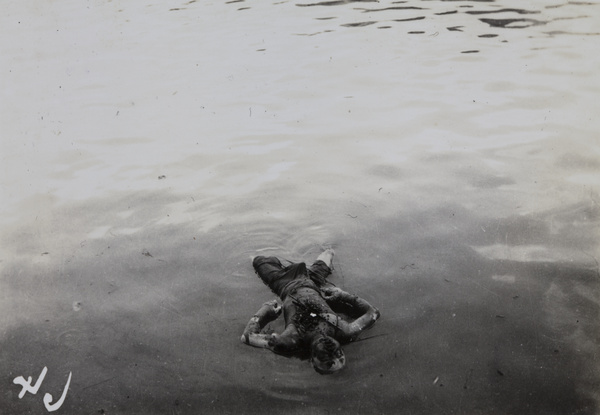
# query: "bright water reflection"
{"points": [[447, 150]]}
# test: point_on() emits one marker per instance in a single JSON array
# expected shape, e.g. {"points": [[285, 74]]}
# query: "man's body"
{"points": [[311, 323]]}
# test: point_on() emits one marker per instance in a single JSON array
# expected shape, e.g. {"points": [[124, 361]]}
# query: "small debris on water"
{"points": [[161, 177], [436, 380], [146, 253]]}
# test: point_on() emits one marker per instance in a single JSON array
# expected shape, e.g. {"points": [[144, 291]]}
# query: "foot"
{"points": [[327, 256]]}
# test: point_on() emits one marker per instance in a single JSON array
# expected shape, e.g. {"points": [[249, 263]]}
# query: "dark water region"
{"points": [[459, 192], [149, 322], [481, 313]]}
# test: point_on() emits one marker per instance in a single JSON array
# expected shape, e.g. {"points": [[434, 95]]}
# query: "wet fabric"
{"points": [[299, 289], [308, 311], [285, 279]]}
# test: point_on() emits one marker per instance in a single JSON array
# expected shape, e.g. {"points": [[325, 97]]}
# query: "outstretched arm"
{"points": [[368, 313], [252, 335]]}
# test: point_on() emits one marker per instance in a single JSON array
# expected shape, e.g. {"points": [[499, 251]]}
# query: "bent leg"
{"points": [[268, 268], [272, 273], [326, 256], [321, 269]]}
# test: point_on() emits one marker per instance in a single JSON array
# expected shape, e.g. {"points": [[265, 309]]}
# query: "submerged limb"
{"points": [[368, 314], [268, 312], [259, 340]]}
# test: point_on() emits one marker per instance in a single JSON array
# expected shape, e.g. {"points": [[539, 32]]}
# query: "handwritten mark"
{"points": [[26, 384], [20, 380], [48, 398]]}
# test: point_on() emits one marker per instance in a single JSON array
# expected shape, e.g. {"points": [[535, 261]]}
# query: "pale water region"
{"points": [[447, 150]]}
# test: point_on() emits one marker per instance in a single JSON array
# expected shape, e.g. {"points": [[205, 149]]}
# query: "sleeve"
{"points": [[286, 343], [366, 314], [252, 335]]}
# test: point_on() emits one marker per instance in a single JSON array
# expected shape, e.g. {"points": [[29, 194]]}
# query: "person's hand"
{"points": [[270, 309], [332, 293]]}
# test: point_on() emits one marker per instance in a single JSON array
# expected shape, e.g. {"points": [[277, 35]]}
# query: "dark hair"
{"points": [[325, 350]]}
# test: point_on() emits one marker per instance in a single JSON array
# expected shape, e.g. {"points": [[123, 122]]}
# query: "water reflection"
{"points": [[450, 199], [336, 3], [513, 23], [393, 8], [389, 13], [518, 11]]}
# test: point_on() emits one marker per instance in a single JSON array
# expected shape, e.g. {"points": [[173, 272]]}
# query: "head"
{"points": [[326, 355]]}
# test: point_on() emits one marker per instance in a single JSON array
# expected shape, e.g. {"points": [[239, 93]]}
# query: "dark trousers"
{"points": [[276, 276]]}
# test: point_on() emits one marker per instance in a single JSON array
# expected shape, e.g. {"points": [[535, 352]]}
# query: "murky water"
{"points": [[447, 150]]}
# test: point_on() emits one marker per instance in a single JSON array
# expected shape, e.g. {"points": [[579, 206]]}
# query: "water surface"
{"points": [[447, 150]]}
